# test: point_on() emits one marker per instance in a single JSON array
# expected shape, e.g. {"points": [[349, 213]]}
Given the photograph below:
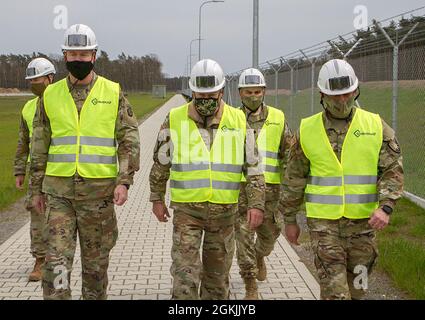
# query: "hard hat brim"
{"points": [[89, 48], [39, 75], [241, 86]]}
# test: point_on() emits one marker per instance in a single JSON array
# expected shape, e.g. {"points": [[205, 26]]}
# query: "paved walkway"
{"points": [[140, 262]]}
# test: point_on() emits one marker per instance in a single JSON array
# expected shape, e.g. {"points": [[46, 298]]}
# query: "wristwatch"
{"points": [[387, 209]]}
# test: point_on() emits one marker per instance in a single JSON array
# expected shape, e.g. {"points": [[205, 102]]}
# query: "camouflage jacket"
{"points": [[390, 167], [77, 187], [160, 171], [256, 121]]}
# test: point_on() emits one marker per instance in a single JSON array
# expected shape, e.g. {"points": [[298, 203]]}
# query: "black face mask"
{"points": [[80, 69]]}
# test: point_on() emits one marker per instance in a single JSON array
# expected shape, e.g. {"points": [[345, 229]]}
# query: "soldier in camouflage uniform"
{"points": [[40, 73], [82, 200], [344, 246], [194, 219], [250, 251]]}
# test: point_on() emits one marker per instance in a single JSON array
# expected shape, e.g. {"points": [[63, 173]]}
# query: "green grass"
{"points": [[402, 248], [10, 108], [143, 103], [377, 98]]}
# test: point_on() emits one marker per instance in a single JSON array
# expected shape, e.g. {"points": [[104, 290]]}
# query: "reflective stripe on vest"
{"points": [[85, 142], [268, 142], [198, 174], [28, 113], [345, 188]]}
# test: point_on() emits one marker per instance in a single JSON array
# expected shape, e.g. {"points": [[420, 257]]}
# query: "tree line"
{"points": [[132, 72]]}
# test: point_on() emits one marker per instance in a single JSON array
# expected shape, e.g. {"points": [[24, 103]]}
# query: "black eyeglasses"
{"points": [[339, 83], [205, 81]]}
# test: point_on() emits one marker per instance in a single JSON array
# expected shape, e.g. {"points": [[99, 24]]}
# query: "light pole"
{"points": [[189, 69], [255, 35], [199, 33], [191, 51]]}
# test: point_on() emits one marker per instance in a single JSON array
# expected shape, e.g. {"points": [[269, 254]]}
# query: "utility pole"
{"points": [[255, 35]]}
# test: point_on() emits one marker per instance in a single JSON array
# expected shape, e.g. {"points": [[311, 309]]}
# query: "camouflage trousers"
{"points": [[37, 223], [96, 224], [248, 248], [344, 254], [212, 227]]}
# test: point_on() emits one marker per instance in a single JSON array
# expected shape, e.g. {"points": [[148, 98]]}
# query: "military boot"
{"points": [[35, 275], [262, 270], [251, 292]]}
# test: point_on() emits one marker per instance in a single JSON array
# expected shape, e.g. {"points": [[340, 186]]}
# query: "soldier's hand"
{"points": [[292, 232], [19, 181], [39, 203], [120, 194], [160, 210], [254, 217], [379, 219]]}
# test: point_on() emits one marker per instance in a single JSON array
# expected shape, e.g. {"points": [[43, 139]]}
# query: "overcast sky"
{"points": [[166, 27]]}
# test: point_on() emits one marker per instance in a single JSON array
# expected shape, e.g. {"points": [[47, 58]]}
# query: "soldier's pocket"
{"points": [[374, 254], [278, 219], [322, 270], [47, 215], [177, 237], [109, 229], [28, 202], [229, 245], [48, 211], [229, 242]]}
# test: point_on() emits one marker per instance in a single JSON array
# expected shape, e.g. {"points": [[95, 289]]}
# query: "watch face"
{"points": [[387, 209]]}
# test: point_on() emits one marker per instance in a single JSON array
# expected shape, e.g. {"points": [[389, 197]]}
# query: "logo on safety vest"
{"points": [[270, 123], [358, 133], [95, 102], [225, 128]]}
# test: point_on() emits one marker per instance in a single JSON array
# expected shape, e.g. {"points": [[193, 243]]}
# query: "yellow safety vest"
{"points": [[198, 174], [28, 113], [268, 142], [85, 143], [348, 188]]}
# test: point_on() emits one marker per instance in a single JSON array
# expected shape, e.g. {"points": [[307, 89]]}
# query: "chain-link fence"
{"points": [[389, 60]]}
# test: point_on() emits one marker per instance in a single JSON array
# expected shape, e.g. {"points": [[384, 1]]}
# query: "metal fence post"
{"points": [[313, 64], [276, 80], [395, 68], [291, 67]]}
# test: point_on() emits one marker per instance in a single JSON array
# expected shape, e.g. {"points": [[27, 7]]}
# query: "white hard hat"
{"points": [[39, 67], [337, 77], [79, 37], [251, 78], [206, 76]]}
